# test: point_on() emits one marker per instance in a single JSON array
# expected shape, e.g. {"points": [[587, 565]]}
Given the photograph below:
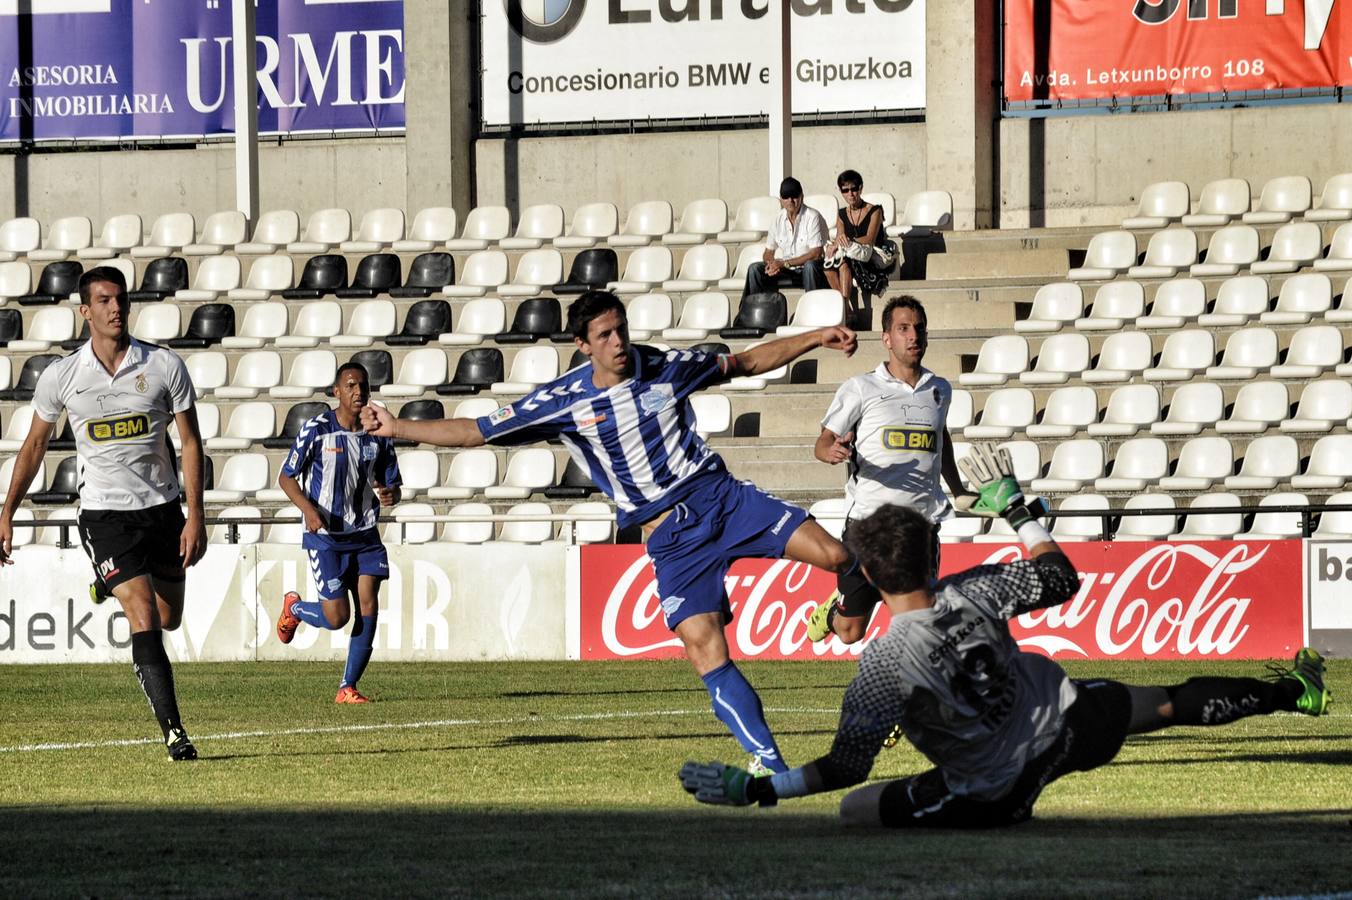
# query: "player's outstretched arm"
{"points": [[773, 354], [25, 467], [379, 421]]}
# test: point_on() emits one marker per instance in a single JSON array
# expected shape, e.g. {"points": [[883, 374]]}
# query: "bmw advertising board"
{"points": [[581, 61]]}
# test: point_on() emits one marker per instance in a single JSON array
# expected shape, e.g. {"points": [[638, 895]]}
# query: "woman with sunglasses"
{"points": [[860, 253]]}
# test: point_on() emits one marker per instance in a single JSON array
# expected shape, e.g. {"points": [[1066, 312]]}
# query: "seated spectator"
{"points": [[860, 252], [793, 247]]}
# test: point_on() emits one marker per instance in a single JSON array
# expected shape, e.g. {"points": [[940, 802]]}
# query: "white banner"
{"points": [[1329, 576], [556, 61], [442, 602]]}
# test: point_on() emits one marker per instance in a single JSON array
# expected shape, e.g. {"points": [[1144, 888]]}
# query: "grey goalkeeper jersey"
{"points": [[955, 680]]}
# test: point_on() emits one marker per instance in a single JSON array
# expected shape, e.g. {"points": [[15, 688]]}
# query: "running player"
{"points": [[120, 396], [625, 417], [998, 724], [348, 475]]}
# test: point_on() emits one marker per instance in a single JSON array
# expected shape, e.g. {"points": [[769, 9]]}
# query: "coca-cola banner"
{"points": [[1072, 49], [1208, 600]]}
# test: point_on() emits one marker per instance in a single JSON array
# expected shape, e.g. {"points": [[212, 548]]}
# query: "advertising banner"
{"points": [[1213, 600], [1128, 48], [1329, 581], [142, 69], [619, 60]]}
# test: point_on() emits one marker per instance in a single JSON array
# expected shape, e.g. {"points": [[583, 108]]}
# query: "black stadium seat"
{"points": [[421, 411], [424, 321], [11, 326], [536, 318], [591, 270], [65, 485], [63, 441], [322, 275], [573, 483], [427, 274], [209, 323], [162, 278], [75, 342], [477, 370], [32, 370], [758, 315], [377, 274], [379, 367], [713, 347], [56, 283], [296, 417]]}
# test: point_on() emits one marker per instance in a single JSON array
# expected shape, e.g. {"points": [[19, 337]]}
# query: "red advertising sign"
{"points": [[1213, 600], [1097, 49]]}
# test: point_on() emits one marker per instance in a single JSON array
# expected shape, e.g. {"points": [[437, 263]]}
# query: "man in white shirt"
{"points": [[793, 247], [120, 396]]}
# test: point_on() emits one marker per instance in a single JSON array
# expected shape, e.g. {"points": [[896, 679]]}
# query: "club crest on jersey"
{"points": [[657, 398], [500, 415], [141, 384], [368, 452], [912, 439]]}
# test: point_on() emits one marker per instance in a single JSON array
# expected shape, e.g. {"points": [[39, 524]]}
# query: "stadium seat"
{"points": [[324, 231], [1060, 357], [222, 231], [1339, 256], [377, 273], [242, 476], [1202, 525], [57, 535], [1110, 253], [531, 367], [6, 373], [925, 211], [1080, 528], [65, 238], [469, 524], [49, 326], [1156, 527], [1122, 357], [960, 411], [815, 309], [484, 270], [752, 221], [1281, 199], [475, 408], [647, 221], [756, 382], [1294, 246], [713, 414], [425, 320], [208, 424], [432, 227], [1055, 306], [7, 475], [162, 278], [421, 370], [120, 233], [830, 514], [11, 326], [292, 422], [255, 372], [58, 281], [535, 319], [1184, 355], [316, 321], [1074, 464], [169, 234], [263, 323], [1258, 406], [1276, 526], [250, 423], [216, 275], [19, 237], [529, 469], [751, 253], [480, 318], [592, 269], [1006, 411], [1168, 252], [63, 488], [399, 530], [427, 275], [701, 220], [378, 230], [646, 270], [1193, 407], [379, 366], [827, 205], [23, 536], [420, 470], [1068, 410], [322, 275], [1000, 358], [1176, 303], [1335, 201], [1329, 467], [210, 323], [1130, 409], [483, 226], [1231, 248], [1267, 461], [1301, 298], [247, 522], [470, 472], [286, 527], [702, 268], [525, 526], [758, 315], [16, 278], [536, 271], [1314, 350], [1322, 406], [1161, 203], [999, 532], [1335, 525], [702, 314], [1220, 201], [539, 224], [1238, 301], [477, 369], [312, 372], [1137, 464], [268, 275], [1247, 353], [649, 315], [957, 530], [1202, 462], [1027, 458], [592, 223], [883, 199], [572, 484], [27, 380], [590, 531]]}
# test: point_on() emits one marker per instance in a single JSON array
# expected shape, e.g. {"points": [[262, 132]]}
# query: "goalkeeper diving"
{"points": [[998, 724]]}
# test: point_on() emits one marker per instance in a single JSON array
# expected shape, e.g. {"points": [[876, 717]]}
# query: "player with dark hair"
{"points": [[348, 475], [625, 417], [120, 396], [998, 724]]}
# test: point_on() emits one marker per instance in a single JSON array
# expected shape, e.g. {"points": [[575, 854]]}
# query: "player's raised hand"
{"points": [[6, 542], [838, 337], [716, 783], [840, 449], [991, 469], [377, 420]]}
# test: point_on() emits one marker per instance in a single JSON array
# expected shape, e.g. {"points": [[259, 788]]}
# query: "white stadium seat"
{"points": [[531, 367], [482, 272], [1080, 528], [1005, 412], [1185, 353], [646, 270], [19, 237], [701, 315], [379, 229], [648, 220], [268, 275], [49, 325], [1268, 461], [529, 469], [463, 529], [1193, 406], [525, 525], [1176, 303], [751, 253], [536, 271], [16, 280], [1055, 306], [701, 220], [1202, 462], [263, 323], [432, 227], [1258, 406], [480, 318], [1060, 357], [815, 309], [1161, 203], [1335, 201], [483, 226], [1231, 249], [1168, 252], [1314, 350], [592, 223], [325, 230], [1294, 246], [1074, 464], [702, 268], [170, 233], [1130, 409], [242, 476], [312, 372], [208, 370], [120, 233], [590, 531], [1335, 525], [274, 230], [1247, 353], [1323, 405], [1238, 301], [17, 426], [1220, 202], [1155, 527], [223, 230], [539, 223], [1203, 524], [469, 473], [216, 275], [249, 423], [65, 238], [421, 369], [370, 320], [1339, 256], [1116, 305], [248, 524], [1276, 526], [420, 470], [255, 372], [999, 358], [1329, 467], [1137, 464], [960, 411], [401, 531], [1301, 298], [1110, 253], [649, 315], [1281, 199], [752, 221], [317, 321], [1122, 357], [1068, 410], [924, 211]]}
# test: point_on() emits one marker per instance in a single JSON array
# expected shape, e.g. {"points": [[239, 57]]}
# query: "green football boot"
{"points": [[819, 623], [1308, 669]]}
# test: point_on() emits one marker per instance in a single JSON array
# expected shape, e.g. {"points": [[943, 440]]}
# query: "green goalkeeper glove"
{"points": [[716, 783], [990, 469]]}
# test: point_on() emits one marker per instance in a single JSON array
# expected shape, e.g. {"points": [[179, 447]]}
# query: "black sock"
{"points": [[1217, 701], [151, 665]]}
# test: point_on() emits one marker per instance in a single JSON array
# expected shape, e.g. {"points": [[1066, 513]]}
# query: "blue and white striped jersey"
{"points": [[338, 470], [637, 439]]}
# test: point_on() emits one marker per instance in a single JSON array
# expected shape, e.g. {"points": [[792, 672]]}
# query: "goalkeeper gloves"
{"points": [[991, 470], [725, 785]]}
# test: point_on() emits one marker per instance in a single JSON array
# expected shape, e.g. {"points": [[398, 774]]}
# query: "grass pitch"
{"points": [[558, 779]]}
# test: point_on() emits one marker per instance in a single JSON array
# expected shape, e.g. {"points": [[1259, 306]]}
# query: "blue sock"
{"points": [[359, 650], [311, 613], [737, 706]]}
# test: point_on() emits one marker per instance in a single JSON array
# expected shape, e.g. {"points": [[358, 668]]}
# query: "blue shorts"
{"points": [[335, 567], [692, 549]]}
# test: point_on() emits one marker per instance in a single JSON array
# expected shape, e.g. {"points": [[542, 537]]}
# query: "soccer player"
{"points": [[120, 396], [624, 415], [348, 475], [998, 724], [888, 425]]}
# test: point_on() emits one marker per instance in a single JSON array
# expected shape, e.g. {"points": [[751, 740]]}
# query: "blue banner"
{"points": [[161, 68]]}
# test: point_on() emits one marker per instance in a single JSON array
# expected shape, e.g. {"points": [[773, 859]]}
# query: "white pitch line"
{"points": [[393, 726]]}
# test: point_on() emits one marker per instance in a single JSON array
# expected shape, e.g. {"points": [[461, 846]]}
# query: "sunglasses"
{"points": [[850, 189]]}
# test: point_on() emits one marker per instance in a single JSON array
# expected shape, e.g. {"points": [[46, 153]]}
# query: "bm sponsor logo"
{"points": [[919, 439], [122, 428]]}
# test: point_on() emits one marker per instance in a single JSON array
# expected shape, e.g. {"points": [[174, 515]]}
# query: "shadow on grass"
{"points": [[762, 686], [448, 851]]}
